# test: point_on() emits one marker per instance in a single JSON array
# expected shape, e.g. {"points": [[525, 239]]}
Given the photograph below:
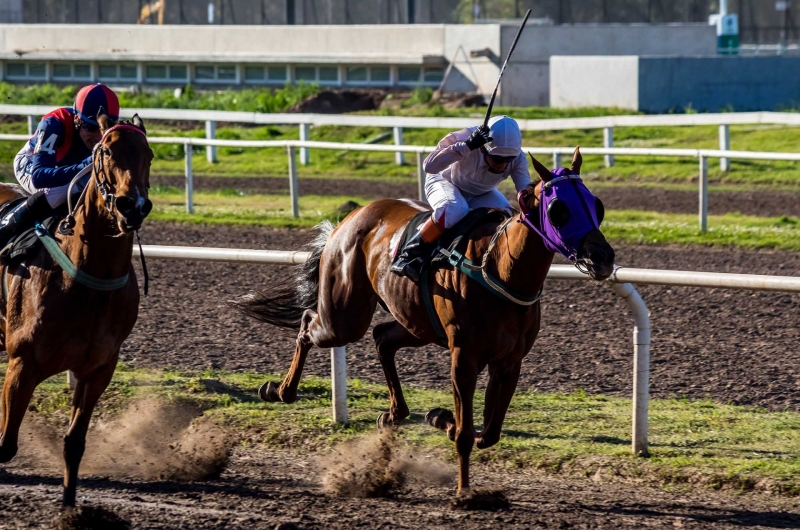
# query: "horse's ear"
{"points": [[103, 120], [577, 160], [138, 123], [543, 172]]}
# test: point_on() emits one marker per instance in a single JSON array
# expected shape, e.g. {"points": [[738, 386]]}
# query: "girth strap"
{"points": [[74, 272]]}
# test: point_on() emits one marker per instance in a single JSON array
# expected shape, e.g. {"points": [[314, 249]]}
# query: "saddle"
{"points": [[452, 243]]}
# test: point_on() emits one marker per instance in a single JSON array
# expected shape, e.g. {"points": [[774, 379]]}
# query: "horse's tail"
{"points": [[283, 305]]}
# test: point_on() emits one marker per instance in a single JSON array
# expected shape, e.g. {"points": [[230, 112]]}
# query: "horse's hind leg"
{"points": [[287, 391], [390, 337], [499, 391], [87, 392], [20, 382]]}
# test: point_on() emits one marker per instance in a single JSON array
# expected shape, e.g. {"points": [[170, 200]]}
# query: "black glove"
{"points": [[479, 137]]}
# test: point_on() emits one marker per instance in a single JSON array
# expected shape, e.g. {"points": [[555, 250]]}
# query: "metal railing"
{"points": [[557, 154], [398, 123], [621, 282]]}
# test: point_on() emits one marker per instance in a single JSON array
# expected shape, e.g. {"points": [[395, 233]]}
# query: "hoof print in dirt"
{"points": [[484, 500], [90, 518]]}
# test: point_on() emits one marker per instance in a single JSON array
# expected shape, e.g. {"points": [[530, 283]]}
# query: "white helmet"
{"points": [[506, 138]]}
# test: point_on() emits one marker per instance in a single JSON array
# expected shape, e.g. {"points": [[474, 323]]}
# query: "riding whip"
{"points": [[503, 69]]}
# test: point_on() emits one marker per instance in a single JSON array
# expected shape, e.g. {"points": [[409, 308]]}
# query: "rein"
{"points": [[103, 185]]}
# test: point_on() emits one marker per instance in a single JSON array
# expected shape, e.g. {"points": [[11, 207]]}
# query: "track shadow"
{"points": [[705, 514]]}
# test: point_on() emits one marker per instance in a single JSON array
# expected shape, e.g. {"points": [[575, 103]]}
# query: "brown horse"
{"points": [[52, 321], [348, 274]]}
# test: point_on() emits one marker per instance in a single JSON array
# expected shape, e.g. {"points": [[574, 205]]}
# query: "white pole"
{"points": [[187, 148], [420, 177], [304, 156], [723, 7], [703, 193], [294, 191], [641, 365], [608, 143], [339, 384], [556, 160], [72, 381], [724, 145], [399, 157], [31, 125], [211, 134]]}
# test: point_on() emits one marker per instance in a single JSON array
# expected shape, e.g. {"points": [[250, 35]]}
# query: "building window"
{"points": [[434, 76], [204, 73], [380, 75], [357, 75], [277, 74], [26, 71], [69, 72], [254, 74], [167, 72], [305, 73], [328, 75], [117, 72], [409, 75]]}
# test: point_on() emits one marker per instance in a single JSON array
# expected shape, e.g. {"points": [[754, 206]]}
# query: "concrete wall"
{"points": [[594, 82], [528, 74], [663, 84]]}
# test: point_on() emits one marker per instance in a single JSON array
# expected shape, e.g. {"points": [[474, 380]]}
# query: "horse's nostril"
{"points": [[124, 204]]}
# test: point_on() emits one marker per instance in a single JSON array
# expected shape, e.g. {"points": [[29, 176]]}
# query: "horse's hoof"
{"points": [[440, 418], [384, 421], [269, 392], [486, 500], [7, 453]]}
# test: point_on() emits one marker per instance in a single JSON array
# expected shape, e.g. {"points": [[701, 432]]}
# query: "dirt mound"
{"points": [[90, 518], [378, 465], [330, 102], [151, 439]]}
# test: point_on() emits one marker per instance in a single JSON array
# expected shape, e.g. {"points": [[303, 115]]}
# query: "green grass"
{"points": [[695, 442]]}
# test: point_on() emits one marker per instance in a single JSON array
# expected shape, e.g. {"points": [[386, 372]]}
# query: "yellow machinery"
{"points": [[159, 6]]}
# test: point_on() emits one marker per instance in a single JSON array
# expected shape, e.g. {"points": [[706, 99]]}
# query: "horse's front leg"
{"points": [[87, 392], [20, 382], [464, 375], [503, 380]]}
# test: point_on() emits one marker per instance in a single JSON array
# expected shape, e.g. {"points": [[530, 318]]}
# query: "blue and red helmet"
{"points": [[91, 98]]}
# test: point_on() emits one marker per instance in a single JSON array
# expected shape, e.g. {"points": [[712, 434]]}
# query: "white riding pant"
{"points": [[450, 204], [55, 196]]}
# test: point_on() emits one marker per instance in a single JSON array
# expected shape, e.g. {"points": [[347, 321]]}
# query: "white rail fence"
{"points": [[621, 282], [557, 154], [398, 123]]}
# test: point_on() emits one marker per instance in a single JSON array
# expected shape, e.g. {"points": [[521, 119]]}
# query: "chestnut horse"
{"points": [[348, 273], [55, 321]]}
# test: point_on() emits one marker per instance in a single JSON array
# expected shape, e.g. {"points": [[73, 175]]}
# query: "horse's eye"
{"points": [[600, 209], [558, 213]]}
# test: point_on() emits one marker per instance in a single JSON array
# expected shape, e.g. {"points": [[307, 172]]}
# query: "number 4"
{"points": [[48, 146]]}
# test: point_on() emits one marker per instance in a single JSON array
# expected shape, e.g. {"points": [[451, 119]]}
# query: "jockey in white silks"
{"points": [[463, 174]]}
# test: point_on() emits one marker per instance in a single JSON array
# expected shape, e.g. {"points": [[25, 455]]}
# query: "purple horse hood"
{"points": [[567, 212]]}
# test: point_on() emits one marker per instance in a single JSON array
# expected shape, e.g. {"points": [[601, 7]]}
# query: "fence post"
{"points": [[72, 381], [420, 176], [304, 158], [608, 143], [294, 191], [703, 193], [211, 134], [724, 145], [399, 157], [187, 149], [641, 365], [556, 160], [339, 384], [31, 125]]}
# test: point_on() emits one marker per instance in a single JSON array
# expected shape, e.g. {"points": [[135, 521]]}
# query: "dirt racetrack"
{"points": [[735, 347], [732, 346]]}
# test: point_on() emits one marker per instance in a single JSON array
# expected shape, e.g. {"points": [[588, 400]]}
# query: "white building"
{"points": [[338, 56]]}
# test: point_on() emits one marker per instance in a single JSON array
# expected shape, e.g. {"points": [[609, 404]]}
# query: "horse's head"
{"points": [[565, 213], [122, 172]]}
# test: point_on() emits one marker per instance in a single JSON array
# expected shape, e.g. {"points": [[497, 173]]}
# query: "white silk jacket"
{"points": [[467, 169]]}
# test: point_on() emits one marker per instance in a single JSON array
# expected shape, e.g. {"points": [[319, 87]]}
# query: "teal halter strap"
{"points": [[74, 272]]}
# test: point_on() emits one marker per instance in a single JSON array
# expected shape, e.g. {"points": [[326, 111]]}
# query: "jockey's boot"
{"points": [[35, 208], [417, 251]]}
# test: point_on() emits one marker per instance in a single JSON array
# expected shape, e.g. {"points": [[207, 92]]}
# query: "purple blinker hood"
{"points": [[576, 214]]}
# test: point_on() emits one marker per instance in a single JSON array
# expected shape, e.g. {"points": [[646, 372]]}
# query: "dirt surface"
{"points": [[732, 346], [763, 203], [281, 490]]}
